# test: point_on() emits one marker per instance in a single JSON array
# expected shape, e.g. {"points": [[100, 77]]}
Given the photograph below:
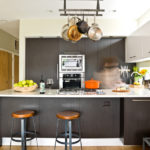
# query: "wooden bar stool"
{"points": [[23, 115], [68, 117]]}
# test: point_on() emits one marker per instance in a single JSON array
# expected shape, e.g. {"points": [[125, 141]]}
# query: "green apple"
{"points": [[31, 81], [23, 82], [31, 84], [16, 84], [27, 81], [20, 82], [25, 85], [20, 85]]}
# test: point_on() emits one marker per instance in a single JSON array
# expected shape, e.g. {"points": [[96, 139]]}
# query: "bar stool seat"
{"points": [[23, 114], [68, 115]]}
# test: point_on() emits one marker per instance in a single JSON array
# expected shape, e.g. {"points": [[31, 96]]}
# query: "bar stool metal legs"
{"points": [[146, 141], [24, 132], [68, 134], [66, 129], [23, 135]]}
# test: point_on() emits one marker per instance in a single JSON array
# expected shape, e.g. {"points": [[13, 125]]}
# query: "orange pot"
{"points": [[92, 84]]}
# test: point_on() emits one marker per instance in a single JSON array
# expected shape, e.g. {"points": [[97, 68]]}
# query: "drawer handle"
{"points": [[132, 56], [141, 100], [107, 104]]}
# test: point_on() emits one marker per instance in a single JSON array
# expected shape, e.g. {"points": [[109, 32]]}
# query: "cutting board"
{"points": [[120, 91]]}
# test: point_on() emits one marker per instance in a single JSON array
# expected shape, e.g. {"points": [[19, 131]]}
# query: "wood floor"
{"points": [[77, 148]]}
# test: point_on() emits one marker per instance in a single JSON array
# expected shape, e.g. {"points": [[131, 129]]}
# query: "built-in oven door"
{"points": [[71, 83]]}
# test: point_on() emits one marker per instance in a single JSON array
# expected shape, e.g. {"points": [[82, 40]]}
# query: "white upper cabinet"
{"points": [[137, 48], [146, 47], [133, 47]]}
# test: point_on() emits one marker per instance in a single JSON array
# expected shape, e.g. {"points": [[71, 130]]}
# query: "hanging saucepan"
{"points": [[92, 84], [73, 33], [95, 33], [74, 20], [64, 32], [83, 26]]}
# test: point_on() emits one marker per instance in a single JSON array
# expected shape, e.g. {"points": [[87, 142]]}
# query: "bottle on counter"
{"points": [[42, 85]]}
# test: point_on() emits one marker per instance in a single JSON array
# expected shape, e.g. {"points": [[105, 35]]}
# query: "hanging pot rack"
{"points": [[68, 12]]}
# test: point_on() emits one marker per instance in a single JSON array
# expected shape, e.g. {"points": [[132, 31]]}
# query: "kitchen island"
{"points": [[111, 115]]}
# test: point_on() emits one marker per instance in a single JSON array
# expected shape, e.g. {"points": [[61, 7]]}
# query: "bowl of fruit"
{"points": [[25, 86]]}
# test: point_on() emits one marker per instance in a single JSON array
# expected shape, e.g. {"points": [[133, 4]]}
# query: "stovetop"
{"points": [[79, 91]]}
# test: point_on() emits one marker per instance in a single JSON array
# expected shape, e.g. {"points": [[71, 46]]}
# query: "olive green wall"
{"points": [[144, 64], [7, 41]]}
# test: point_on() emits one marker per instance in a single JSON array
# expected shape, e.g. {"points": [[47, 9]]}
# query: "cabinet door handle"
{"points": [[132, 57], [149, 52], [141, 100], [57, 71], [107, 104]]}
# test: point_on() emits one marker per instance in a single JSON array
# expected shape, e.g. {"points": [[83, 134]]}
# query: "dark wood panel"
{"points": [[42, 55], [103, 51], [99, 117], [136, 121], [48, 110], [71, 48], [91, 58], [9, 105], [42, 58]]}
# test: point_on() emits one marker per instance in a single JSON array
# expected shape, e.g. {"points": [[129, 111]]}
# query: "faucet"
{"points": [[135, 73]]}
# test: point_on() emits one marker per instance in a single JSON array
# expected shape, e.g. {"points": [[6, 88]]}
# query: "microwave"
{"points": [[71, 63]]}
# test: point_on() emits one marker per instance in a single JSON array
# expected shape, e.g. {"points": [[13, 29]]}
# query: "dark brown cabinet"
{"points": [[42, 55], [100, 118], [136, 120]]}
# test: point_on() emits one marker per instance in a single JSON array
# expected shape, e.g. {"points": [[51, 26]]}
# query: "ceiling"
{"points": [[12, 10]]}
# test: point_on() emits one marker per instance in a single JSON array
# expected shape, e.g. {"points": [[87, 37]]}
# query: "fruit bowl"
{"points": [[25, 86], [25, 89]]}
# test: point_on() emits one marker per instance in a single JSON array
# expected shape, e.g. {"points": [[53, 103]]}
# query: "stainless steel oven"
{"points": [[71, 80], [71, 71]]}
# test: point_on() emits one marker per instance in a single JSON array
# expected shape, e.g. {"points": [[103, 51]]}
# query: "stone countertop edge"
{"points": [[133, 93]]}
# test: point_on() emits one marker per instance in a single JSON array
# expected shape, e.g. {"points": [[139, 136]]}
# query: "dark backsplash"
{"points": [[42, 55]]}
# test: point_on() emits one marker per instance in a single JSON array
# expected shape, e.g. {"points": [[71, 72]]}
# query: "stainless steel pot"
{"points": [[64, 32], [95, 33]]}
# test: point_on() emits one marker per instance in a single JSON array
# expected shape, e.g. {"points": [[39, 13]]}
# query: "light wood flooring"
{"points": [[77, 148]]}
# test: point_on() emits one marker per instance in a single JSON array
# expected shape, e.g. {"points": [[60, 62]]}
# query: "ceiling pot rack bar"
{"points": [[69, 14], [85, 11]]}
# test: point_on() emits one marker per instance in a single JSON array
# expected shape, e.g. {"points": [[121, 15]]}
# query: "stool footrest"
{"points": [[62, 135], [33, 135]]}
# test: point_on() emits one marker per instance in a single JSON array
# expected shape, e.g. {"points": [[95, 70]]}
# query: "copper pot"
{"points": [[92, 84], [74, 34]]}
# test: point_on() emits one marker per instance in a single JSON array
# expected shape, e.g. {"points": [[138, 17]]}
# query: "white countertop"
{"points": [[54, 93]]}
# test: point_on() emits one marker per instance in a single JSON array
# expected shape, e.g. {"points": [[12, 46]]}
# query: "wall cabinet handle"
{"points": [[57, 71], [141, 100], [132, 57]]}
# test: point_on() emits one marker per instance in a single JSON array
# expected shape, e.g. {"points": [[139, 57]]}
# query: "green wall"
{"points": [[7, 41]]}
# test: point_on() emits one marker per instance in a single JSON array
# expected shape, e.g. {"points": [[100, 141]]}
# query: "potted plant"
{"points": [[138, 75]]}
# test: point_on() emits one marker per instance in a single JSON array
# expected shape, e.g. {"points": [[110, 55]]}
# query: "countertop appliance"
{"points": [[71, 71]]}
